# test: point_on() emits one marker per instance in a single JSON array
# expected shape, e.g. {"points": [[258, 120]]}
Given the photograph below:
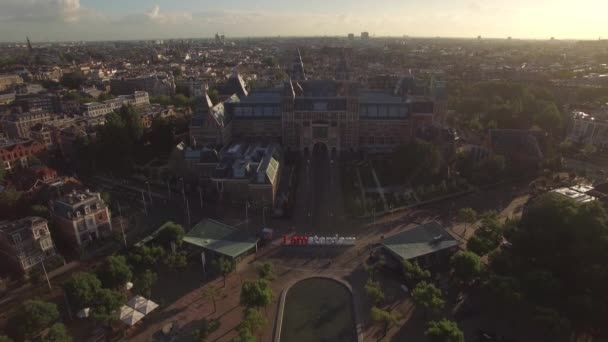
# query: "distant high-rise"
{"points": [[351, 36], [364, 35], [220, 39]]}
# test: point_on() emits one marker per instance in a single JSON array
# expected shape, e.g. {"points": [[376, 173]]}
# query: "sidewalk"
{"points": [[12, 295]]}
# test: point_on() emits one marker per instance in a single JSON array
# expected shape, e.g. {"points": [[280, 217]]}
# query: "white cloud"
{"points": [[67, 11], [157, 16]]}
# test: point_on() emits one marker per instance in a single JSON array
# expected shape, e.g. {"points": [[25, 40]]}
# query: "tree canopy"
{"points": [[172, 233], [81, 289], [416, 162], [429, 297], [57, 333], [444, 331], [505, 104], [558, 260], [256, 293], [374, 291], [107, 304], [467, 266], [266, 271], [414, 273], [487, 237], [224, 267], [33, 316], [144, 283], [114, 272]]}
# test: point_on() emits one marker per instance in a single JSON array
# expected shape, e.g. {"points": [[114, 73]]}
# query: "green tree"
{"points": [[4, 338], [212, 293], [414, 273], [161, 136], [172, 233], [114, 272], [133, 122], [144, 283], [224, 267], [255, 294], [444, 331], [429, 297], [487, 237], [33, 316], [145, 256], [378, 315], [177, 260], [40, 211], [266, 271], [106, 306], [214, 95], [374, 291], [253, 320], [548, 117], [416, 162], [567, 276], [466, 266], [81, 289], [466, 216], [57, 333]]}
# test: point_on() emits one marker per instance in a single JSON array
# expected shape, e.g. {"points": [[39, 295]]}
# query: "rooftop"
{"points": [[220, 238], [421, 240]]}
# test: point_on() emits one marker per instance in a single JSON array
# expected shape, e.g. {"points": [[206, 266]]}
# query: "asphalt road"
{"points": [[319, 207]]}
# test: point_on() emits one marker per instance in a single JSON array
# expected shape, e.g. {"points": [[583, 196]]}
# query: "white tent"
{"points": [[83, 313], [130, 316], [142, 304]]}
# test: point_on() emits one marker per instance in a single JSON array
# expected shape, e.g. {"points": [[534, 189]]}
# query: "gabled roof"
{"points": [[220, 238], [418, 241]]}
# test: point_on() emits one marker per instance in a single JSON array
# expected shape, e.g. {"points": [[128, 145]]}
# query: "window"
{"points": [[320, 106], [46, 243], [383, 112], [87, 210], [17, 238]]}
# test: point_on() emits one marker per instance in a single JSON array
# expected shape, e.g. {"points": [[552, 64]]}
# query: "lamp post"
{"points": [[150, 193], [48, 281]]}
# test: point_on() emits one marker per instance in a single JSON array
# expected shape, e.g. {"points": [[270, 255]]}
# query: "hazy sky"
{"points": [[44, 20]]}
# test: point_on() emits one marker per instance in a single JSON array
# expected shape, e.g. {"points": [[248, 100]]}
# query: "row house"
{"points": [[25, 243], [137, 99], [16, 153]]}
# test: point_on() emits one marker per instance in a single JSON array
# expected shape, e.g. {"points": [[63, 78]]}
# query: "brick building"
{"points": [[81, 217], [16, 153], [18, 125], [343, 115]]}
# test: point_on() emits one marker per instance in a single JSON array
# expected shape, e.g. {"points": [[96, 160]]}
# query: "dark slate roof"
{"points": [[379, 97], [319, 88], [234, 85], [266, 96], [418, 241]]}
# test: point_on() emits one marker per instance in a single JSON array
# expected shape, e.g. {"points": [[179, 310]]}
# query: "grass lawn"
{"points": [[320, 310]]}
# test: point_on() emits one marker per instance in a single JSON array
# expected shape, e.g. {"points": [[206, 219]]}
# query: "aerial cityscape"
{"points": [[359, 181]]}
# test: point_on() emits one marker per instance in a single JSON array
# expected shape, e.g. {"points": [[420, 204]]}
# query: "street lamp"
{"points": [[149, 193]]}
